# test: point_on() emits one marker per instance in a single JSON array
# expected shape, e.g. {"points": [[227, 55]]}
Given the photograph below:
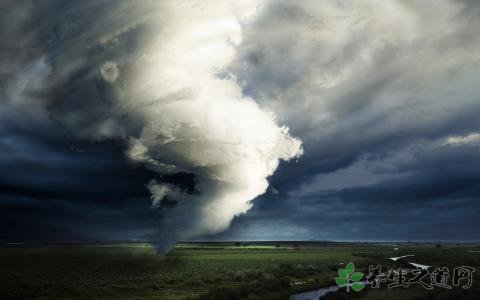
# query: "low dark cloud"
{"points": [[55, 187], [417, 195]]}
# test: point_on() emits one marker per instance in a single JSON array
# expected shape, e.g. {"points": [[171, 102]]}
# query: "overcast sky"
{"points": [[174, 120]]}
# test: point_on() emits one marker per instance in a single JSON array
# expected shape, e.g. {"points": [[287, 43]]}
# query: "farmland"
{"points": [[211, 270]]}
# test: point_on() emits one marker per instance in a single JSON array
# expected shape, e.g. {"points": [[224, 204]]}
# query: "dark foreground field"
{"points": [[215, 270]]}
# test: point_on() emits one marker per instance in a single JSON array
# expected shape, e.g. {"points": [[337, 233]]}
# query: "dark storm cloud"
{"points": [[384, 97], [423, 193], [53, 183], [361, 88], [55, 187], [38, 219]]}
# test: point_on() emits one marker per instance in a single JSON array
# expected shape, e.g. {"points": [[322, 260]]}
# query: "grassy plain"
{"points": [[270, 270]]}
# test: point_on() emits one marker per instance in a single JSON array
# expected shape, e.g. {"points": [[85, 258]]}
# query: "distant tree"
{"points": [[438, 246]]}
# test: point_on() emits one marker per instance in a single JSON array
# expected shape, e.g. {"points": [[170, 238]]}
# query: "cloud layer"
{"points": [[384, 96], [385, 99]]}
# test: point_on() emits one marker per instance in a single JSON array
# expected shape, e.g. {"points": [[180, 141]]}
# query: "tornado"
{"points": [[156, 77]]}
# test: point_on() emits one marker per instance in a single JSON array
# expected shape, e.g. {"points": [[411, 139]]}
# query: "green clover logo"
{"points": [[348, 277]]}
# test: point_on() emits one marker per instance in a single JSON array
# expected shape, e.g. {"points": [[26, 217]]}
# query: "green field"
{"points": [[213, 270]]}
